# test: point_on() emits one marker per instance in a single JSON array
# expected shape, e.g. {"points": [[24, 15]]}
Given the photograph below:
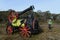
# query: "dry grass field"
{"points": [[45, 35]]}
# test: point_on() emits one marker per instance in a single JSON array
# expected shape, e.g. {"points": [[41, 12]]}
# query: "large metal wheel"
{"points": [[9, 30], [25, 32]]}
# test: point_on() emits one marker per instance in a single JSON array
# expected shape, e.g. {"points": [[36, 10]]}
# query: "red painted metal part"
{"points": [[25, 32], [9, 30], [11, 16]]}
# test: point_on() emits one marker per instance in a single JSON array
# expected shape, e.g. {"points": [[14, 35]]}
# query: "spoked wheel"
{"points": [[25, 32], [9, 30]]}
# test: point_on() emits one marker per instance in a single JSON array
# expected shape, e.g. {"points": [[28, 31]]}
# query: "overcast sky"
{"points": [[19, 5]]}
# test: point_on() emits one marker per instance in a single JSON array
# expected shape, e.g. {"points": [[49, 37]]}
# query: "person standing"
{"points": [[50, 22]]}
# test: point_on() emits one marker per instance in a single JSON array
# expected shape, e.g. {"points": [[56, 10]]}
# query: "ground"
{"points": [[45, 35]]}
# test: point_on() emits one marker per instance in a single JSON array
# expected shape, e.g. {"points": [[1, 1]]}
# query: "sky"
{"points": [[19, 5]]}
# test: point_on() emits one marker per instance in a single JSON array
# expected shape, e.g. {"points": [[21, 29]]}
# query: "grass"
{"points": [[46, 35]]}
